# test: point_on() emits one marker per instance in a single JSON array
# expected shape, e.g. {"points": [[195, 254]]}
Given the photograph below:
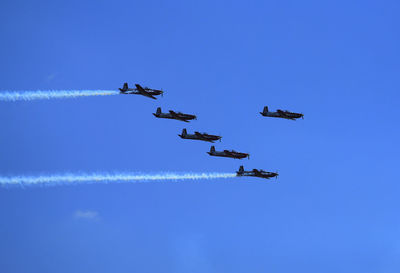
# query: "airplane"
{"points": [[199, 136], [226, 153], [139, 90], [281, 114], [256, 173], [174, 115]]}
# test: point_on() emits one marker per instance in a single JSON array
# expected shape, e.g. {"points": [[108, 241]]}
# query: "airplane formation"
{"points": [[151, 93]]}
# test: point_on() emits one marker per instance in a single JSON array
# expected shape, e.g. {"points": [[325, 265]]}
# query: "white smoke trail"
{"points": [[52, 94], [105, 178]]}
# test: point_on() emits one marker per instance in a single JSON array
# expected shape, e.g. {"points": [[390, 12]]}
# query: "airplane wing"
{"points": [[229, 153], [285, 114], [177, 116], [280, 112], [199, 134], [204, 136], [143, 92]]}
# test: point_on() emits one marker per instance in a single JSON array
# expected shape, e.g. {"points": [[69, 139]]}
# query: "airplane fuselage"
{"points": [[285, 115], [256, 173], [154, 92], [129, 92], [262, 174], [135, 92], [234, 155], [179, 116], [208, 138]]}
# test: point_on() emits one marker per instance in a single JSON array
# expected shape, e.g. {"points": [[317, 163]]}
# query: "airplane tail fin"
{"points": [[265, 110], [184, 132], [158, 111], [240, 172], [124, 88], [212, 149]]}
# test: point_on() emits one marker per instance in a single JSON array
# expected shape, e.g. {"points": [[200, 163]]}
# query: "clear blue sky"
{"points": [[335, 206]]}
